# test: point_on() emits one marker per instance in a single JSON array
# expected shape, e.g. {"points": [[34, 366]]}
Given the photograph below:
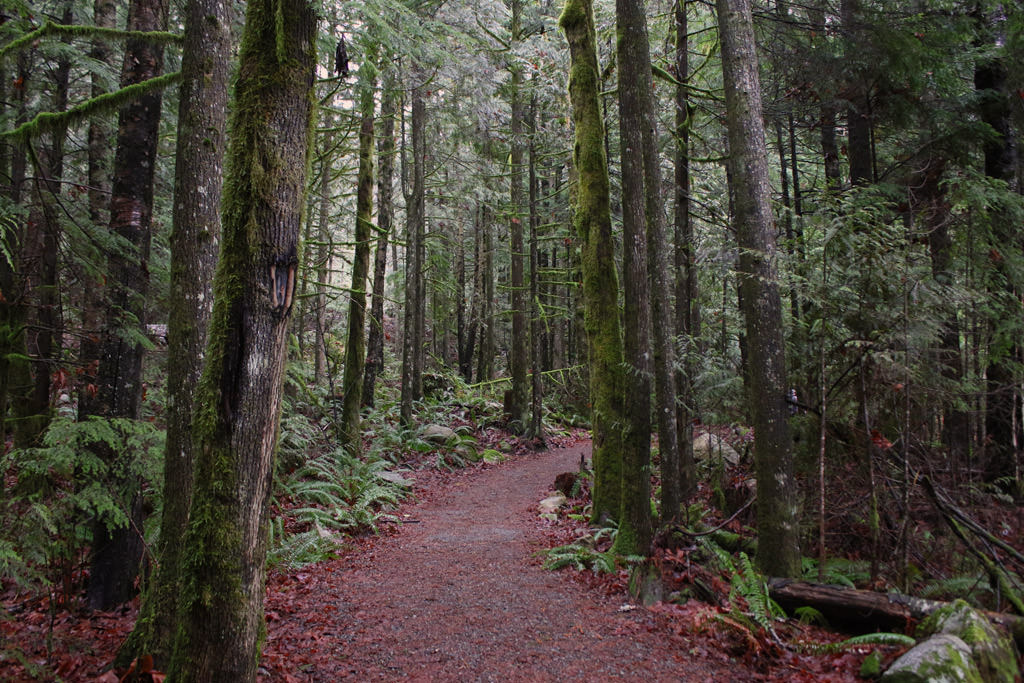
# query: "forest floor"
{"points": [[456, 591]]}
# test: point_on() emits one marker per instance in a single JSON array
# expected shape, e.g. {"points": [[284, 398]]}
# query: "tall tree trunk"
{"points": [[660, 282], [15, 373], [934, 209], [355, 349], [412, 339], [100, 131], [858, 114], [385, 209], [536, 428], [117, 552], [635, 524], [195, 234], [592, 223], [468, 345], [40, 266], [42, 240], [687, 287], [778, 528], [827, 115], [485, 364], [239, 398], [321, 265], [1002, 438], [516, 398]]}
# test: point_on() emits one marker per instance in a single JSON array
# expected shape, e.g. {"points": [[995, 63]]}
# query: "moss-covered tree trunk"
{"points": [[1002, 423], [40, 263], [593, 225], [355, 349], [415, 299], [195, 235], [536, 429], [687, 287], [15, 377], [100, 132], [635, 523], [485, 359], [385, 213], [777, 521], [858, 110], [516, 405], [659, 280], [239, 399], [118, 551]]}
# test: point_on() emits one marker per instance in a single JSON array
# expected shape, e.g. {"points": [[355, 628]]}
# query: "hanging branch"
{"points": [[954, 517], [47, 121], [50, 28]]}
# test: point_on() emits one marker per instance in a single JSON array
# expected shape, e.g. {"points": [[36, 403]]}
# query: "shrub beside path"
{"points": [[458, 594]]}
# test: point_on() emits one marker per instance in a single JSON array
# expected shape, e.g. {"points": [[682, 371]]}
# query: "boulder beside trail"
{"points": [[438, 434], [709, 447], [939, 659], [960, 644]]}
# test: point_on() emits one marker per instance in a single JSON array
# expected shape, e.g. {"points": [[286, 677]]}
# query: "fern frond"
{"points": [[881, 638]]}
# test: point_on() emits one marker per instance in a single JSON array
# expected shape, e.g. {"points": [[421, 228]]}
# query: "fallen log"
{"points": [[866, 611]]}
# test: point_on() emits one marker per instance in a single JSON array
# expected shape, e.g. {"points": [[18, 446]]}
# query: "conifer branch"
{"points": [[81, 31], [48, 120]]}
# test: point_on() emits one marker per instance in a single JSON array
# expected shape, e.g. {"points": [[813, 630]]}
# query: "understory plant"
{"points": [[54, 493], [332, 494]]}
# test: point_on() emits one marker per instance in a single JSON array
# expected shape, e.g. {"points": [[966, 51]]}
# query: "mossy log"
{"points": [[865, 610]]}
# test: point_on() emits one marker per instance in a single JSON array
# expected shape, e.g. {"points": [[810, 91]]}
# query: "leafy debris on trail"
{"points": [[456, 589]]}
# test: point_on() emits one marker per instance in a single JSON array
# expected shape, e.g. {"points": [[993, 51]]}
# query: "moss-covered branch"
{"points": [[49, 28], [47, 121]]}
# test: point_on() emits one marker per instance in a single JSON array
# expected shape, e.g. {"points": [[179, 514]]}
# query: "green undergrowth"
{"points": [[82, 472], [333, 494]]}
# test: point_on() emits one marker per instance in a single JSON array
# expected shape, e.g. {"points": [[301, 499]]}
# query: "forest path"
{"points": [[460, 595]]}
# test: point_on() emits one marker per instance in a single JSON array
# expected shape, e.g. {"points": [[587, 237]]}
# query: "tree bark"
{"points": [[635, 523], [485, 364], [858, 114], [118, 552], [195, 235], [536, 428], [385, 209], [1002, 436], [40, 267], [100, 130], [412, 338], [355, 349], [659, 285], [239, 397], [592, 223], [516, 399], [778, 529], [687, 285]]}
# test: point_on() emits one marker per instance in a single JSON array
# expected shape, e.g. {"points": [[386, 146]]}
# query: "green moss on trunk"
{"points": [[592, 221], [239, 397], [355, 349]]}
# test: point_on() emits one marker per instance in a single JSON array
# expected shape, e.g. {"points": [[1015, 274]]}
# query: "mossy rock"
{"points": [[992, 649], [940, 659], [645, 584], [871, 667]]}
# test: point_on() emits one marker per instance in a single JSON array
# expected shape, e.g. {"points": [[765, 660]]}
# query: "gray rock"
{"points": [[395, 478], [438, 434], [992, 649], [711, 447], [940, 659]]}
